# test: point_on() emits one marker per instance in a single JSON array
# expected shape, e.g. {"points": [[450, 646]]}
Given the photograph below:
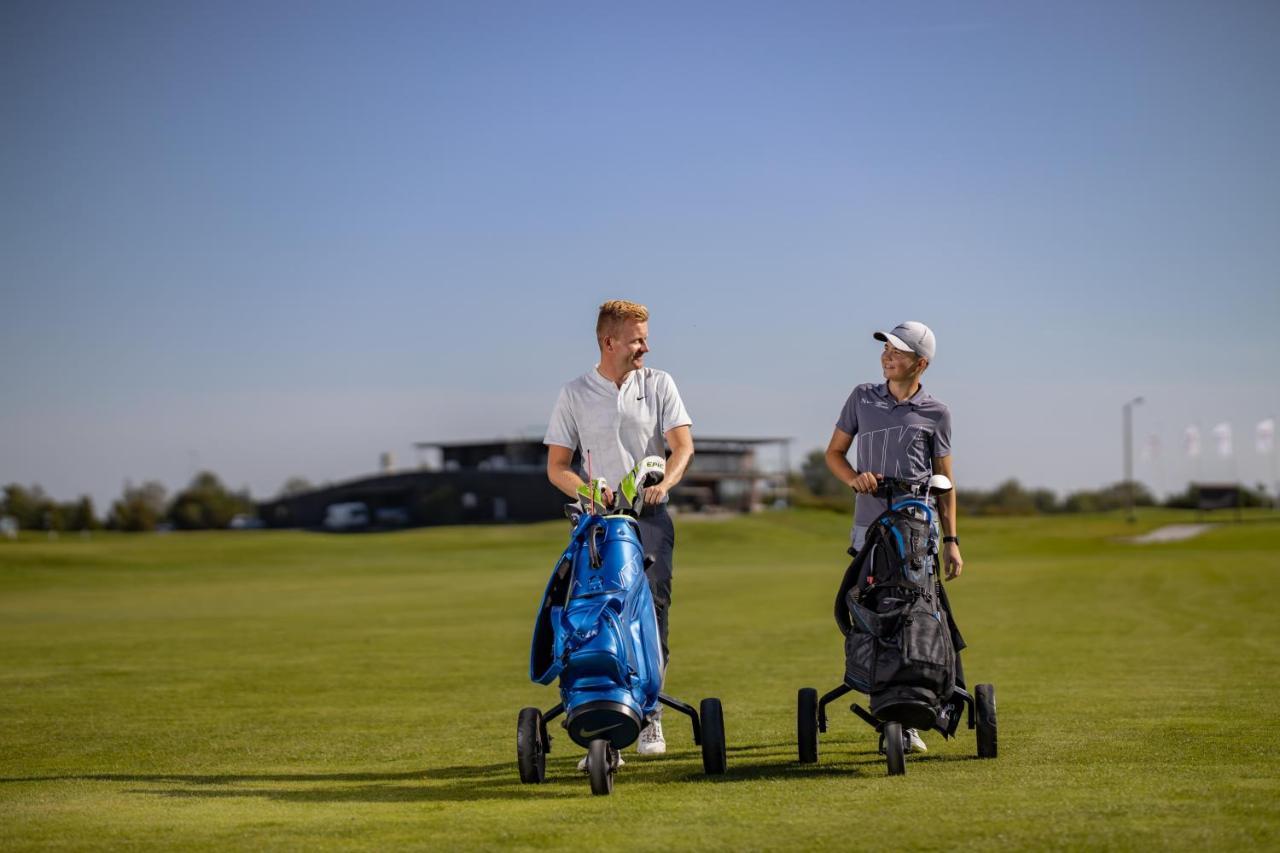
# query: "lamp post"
{"points": [[1128, 456]]}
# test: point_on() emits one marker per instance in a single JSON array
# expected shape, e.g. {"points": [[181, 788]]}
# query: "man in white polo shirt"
{"points": [[620, 412]]}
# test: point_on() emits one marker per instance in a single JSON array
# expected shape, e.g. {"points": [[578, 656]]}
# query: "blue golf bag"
{"points": [[597, 632]]}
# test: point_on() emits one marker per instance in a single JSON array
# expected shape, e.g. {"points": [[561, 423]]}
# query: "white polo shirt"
{"points": [[620, 426]]}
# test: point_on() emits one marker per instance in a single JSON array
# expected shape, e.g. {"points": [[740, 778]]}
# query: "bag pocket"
{"points": [[884, 623], [924, 655], [859, 659]]}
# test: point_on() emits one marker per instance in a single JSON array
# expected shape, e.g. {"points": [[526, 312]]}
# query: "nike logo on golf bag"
{"points": [[586, 733]]}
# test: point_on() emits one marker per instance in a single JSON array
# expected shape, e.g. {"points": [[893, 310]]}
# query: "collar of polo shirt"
{"points": [[605, 382], [882, 390]]}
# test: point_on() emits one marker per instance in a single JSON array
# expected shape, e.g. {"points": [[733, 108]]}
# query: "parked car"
{"points": [[392, 516], [346, 516]]}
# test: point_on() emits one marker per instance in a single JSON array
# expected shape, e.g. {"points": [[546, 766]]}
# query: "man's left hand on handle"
{"points": [[654, 495]]}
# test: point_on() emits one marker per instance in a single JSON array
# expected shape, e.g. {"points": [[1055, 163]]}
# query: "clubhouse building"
{"points": [[504, 480]]}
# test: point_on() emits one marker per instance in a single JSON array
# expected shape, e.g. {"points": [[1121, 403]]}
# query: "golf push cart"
{"points": [[901, 646], [597, 631]]}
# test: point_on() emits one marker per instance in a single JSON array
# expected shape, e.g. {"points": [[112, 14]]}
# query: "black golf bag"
{"points": [[900, 644]]}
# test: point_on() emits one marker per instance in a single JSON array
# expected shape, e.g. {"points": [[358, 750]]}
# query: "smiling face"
{"points": [[899, 366], [625, 345]]}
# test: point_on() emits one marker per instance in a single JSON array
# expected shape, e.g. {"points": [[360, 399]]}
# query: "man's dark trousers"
{"points": [[658, 536]]}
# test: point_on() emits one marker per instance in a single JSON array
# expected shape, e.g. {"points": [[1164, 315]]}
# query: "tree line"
{"points": [[816, 486], [205, 504]]}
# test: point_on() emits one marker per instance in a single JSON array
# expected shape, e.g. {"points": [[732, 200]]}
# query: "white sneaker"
{"points": [[582, 765], [651, 740], [914, 743]]}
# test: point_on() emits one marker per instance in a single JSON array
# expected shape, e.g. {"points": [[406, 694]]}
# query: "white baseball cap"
{"points": [[911, 336]]}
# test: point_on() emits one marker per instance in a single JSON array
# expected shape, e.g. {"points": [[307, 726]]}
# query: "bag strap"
{"points": [[843, 621]]}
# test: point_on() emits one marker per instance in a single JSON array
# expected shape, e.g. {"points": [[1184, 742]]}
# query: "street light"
{"points": [[1128, 456]]}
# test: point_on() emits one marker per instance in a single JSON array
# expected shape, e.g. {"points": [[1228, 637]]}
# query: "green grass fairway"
{"points": [[293, 690]]}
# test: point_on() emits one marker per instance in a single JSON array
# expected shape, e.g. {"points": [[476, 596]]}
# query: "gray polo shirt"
{"points": [[620, 426], [894, 438]]}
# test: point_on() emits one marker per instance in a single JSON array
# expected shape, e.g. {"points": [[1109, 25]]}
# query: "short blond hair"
{"points": [[617, 311]]}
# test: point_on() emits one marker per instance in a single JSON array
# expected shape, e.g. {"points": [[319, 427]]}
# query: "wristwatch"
{"points": [[955, 539]]}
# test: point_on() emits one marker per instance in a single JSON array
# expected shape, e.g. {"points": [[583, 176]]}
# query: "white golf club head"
{"points": [[651, 471], [940, 483]]}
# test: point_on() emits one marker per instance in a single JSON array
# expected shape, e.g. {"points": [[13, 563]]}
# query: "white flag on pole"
{"points": [[1191, 440], [1222, 434], [1266, 436]]}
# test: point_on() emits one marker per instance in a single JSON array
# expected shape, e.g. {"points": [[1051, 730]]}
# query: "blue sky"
{"points": [[276, 239]]}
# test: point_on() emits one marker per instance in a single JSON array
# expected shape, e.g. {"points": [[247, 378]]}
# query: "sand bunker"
{"points": [[1171, 533]]}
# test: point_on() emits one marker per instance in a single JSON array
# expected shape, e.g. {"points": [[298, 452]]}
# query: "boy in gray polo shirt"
{"points": [[621, 411], [902, 432]]}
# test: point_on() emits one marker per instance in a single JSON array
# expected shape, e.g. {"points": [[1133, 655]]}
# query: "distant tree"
{"points": [[207, 504], [28, 506], [1113, 497], [79, 515], [1045, 500], [1009, 498], [971, 501], [815, 486], [1188, 498], [818, 479], [1083, 501], [295, 486], [34, 510], [139, 508], [52, 516], [1254, 497]]}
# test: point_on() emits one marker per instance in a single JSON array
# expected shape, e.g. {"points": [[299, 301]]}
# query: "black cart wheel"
{"points": [[529, 754], [713, 752], [984, 698], [894, 750], [600, 767], [807, 725]]}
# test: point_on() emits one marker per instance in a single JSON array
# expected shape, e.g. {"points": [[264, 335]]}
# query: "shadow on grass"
{"points": [[221, 778], [463, 783], [759, 747], [863, 764]]}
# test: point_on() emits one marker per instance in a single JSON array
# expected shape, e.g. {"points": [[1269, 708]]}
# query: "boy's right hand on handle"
{"points": [[865, 483]]}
